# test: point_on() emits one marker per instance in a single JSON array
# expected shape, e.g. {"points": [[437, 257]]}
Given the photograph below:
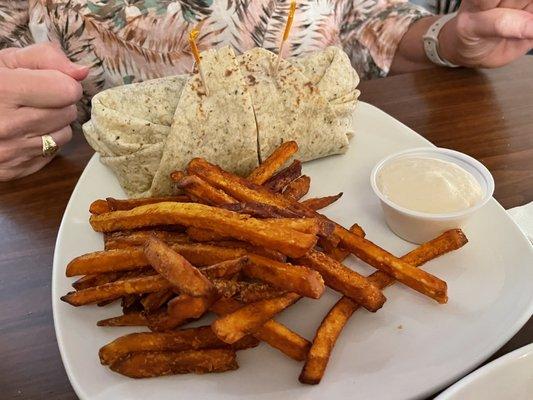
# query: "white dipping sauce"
{"points": [[428, 185]]}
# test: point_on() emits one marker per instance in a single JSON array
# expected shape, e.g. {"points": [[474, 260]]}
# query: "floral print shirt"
{"points": [[125, 41]]}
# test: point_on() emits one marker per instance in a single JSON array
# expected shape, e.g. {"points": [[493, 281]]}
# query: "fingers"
{"points": [[30, 121], [24, 169], [498, 23], [45, 56], [38, 88], [35, 144]]}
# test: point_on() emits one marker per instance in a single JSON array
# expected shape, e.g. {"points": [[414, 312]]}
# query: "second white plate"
{"points": [[409, 349]]}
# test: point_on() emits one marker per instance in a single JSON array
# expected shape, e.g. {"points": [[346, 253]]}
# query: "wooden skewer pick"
{"points": [[288, 26], [193, 35]]}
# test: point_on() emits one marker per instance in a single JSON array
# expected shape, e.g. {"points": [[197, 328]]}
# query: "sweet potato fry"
{"points": [[251, 292], [416, 279], [88, 281], [334, 321], [274, 161], [259, 210], [114, 290], [188, 306], [318, 203], [174, 267], [298, 188], [128, 204], [131, 319], [198, 254], [180, 310], [367, 251], [273, 333], [153, 301], [129, 303], [261, 251], [203, 192], [225, 269], [205, 235], [288, 241], [334, 251], [99, 206], [248, 319], [159, 363], [185, 339], [279, 181], [293, 278], [125, 239], [345, 280]]}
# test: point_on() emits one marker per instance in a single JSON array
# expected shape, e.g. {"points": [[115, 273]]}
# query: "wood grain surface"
{"points": [[487, 114]]}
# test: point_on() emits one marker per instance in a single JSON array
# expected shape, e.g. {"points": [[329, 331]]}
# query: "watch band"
{"points": [[431, 42]]}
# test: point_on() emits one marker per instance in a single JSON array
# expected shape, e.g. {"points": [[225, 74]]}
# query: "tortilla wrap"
{"points": [[218, 126], [145, 131], [288, 106]]}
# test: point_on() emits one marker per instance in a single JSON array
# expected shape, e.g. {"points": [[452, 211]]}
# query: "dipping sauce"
{"points": [[428, 185]]}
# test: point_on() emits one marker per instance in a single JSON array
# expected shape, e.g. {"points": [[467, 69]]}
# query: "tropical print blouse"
{"points": [[125, 41]]}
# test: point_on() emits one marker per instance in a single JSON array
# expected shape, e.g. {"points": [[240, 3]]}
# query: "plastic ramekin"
{"points": [[419, 227]]}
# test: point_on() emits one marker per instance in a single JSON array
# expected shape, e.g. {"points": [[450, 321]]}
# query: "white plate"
{"points": [[508, 377], [409, 349]]}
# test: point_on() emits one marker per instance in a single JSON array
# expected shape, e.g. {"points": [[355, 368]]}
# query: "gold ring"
{"points": [[50, 147]]}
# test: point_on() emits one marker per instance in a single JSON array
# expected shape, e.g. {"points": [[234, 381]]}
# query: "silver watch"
{"points": [[431, 42]]}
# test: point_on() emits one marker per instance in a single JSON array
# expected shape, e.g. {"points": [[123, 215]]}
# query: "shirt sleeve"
{"points": [[14, 28], [371, 31]]}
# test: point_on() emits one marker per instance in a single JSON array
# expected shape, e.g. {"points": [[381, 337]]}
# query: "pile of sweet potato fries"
{"points": [[244, 249]]}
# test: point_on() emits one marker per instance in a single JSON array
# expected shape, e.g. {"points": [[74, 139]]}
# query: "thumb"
{"points": [[44, 56], [500, 23]]}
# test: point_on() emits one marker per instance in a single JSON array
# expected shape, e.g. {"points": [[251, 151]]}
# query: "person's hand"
{"points": [[488, 33], [39, 88]]}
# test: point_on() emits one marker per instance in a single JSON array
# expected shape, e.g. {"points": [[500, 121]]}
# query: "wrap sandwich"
{"points": [[145, 131]]}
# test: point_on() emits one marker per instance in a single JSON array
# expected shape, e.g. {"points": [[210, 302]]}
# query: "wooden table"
{"points": [[486, 114]]}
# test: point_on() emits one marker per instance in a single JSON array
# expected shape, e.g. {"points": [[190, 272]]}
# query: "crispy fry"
{"points": [[198, 254], [367, 251], [293, 278], [88, 281], [131, 319], [114, 290], [278, 182], [334, 321], [128, 204], [225, 269], [188, 306], [338, 253], [125, 239], [416, 279], [180, 310], [174, 267], [275, 334], [205, 235], [298, 188], [99, 206], [274, 161], [251, 292], [129, 303], [288, 241], [259, 210], [185, 339], [153, 301], [345, 280], [248, 319], [159, 363], [318, 203], [203, 192]]}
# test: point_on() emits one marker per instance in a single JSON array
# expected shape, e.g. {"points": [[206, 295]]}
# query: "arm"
{"points": [[481, 35]]}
